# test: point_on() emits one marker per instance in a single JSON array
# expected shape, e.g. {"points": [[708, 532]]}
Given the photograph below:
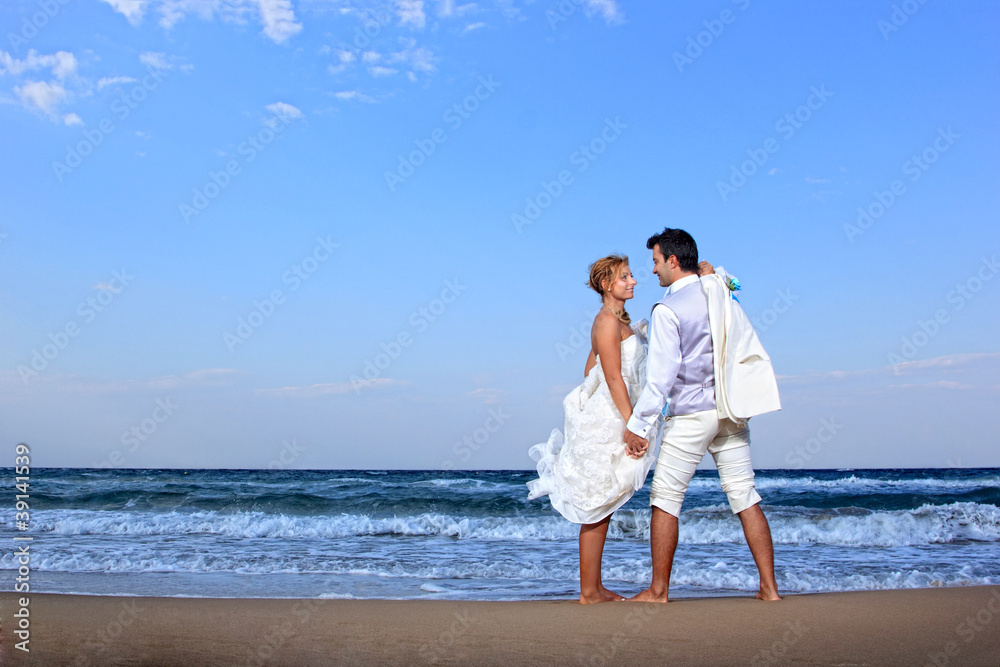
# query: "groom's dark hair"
{"points": [[679, 243]]}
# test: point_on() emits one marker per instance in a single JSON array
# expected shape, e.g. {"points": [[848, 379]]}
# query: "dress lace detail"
{"points": [[586, 473]]}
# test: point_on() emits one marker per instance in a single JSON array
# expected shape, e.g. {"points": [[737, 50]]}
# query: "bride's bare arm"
{"points": [[591, 362], [607, 340]]}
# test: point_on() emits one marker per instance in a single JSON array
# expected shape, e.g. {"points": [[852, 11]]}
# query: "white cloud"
{"points": [[371, 57], [345, 58], [951, 363], [474, 26], [328, 388], [62, 63], [65, 64], [205, 376], [113, 81], [487, 395], [278, 19], [939, 384], [173, 11], [132, 10], [607, 9], [379, 71], [446, 8], [509, 10], [284, 111], [353, 95], [422, 60], [411, 12], [155, 60], [41, 95], [416, 58]]}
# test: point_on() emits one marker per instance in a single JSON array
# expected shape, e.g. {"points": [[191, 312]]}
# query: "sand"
{"points": [[940, 626]]}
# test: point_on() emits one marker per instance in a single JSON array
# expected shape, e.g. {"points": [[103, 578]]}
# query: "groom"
{"points": [[681, 373]]}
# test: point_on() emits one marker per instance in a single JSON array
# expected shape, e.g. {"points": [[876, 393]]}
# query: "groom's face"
{"points": [[661, 267]]}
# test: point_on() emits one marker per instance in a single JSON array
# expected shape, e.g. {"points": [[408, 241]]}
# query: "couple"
{"points": [[702, 367]]}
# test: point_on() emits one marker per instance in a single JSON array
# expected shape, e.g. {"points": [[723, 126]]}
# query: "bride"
{"points": [[586, 473]]}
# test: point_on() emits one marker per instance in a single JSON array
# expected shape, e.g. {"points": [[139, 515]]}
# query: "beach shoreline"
{"points": [[938, 626]]}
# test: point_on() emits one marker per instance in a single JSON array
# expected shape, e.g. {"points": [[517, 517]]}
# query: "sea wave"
{"points": [[691, 575], [854, 484], [929, 524]]}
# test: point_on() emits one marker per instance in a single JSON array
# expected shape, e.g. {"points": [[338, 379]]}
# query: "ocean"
{"points": [[473, 535]]}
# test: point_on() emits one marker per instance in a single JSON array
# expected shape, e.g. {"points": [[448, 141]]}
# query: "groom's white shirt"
{"points": [[667, 359]]}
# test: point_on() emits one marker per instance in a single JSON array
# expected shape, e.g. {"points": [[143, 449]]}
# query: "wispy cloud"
{"points": [[938, 384], [63, 64], [284, 110], [487, 395], [345, 59], [11, 384], [354, 95], [331, 388], [113, 81], [411, 12], [279, 20], [41, 96], [946, 363], [276, 17], [203, 377], [132, 10], [155, 60], [606, 9]]}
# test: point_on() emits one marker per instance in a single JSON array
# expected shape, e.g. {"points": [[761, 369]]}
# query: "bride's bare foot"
{"points": [[649, 596], [768, 595], [611, 595], [593, 598]]}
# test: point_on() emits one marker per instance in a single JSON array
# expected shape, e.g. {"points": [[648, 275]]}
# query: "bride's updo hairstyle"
{"points": [[606, 271]]}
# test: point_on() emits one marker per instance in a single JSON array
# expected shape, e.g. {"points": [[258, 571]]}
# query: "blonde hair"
{"points": [[607, 270]]}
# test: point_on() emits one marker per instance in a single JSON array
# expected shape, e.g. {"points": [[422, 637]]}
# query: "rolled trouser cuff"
{"points": [[743, 499]]}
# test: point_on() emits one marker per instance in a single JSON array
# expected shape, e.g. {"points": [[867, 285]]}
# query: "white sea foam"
{"points": [[929, 524], [854, 484], [703, 572]]}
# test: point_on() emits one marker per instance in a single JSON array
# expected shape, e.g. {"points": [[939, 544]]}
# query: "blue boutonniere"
{"points": [[731, 281]]}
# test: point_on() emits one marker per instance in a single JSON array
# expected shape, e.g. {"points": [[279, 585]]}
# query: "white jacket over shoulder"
{"points": [[745, 385]]}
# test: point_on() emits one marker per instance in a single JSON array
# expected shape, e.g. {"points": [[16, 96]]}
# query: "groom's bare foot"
{"points": [[649, 596], [768, 594]]}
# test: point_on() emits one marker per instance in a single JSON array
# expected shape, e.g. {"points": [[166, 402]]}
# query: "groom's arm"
{"points": [[663, 361]]}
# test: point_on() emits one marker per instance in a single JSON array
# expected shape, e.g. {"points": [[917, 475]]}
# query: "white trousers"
{"points": [[686, 438]]}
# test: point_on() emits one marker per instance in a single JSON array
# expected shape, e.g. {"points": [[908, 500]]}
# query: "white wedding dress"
{"points": [[587, 475]]}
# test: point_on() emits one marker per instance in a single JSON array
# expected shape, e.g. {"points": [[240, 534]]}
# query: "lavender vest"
{"points": [[694, 390]]}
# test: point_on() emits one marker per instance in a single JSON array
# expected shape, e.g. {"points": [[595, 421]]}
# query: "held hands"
{"points": [[635, 445], [705, 269]]}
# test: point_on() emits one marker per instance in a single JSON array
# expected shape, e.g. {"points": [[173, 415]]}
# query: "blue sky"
{"points": [[355, 235]]}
